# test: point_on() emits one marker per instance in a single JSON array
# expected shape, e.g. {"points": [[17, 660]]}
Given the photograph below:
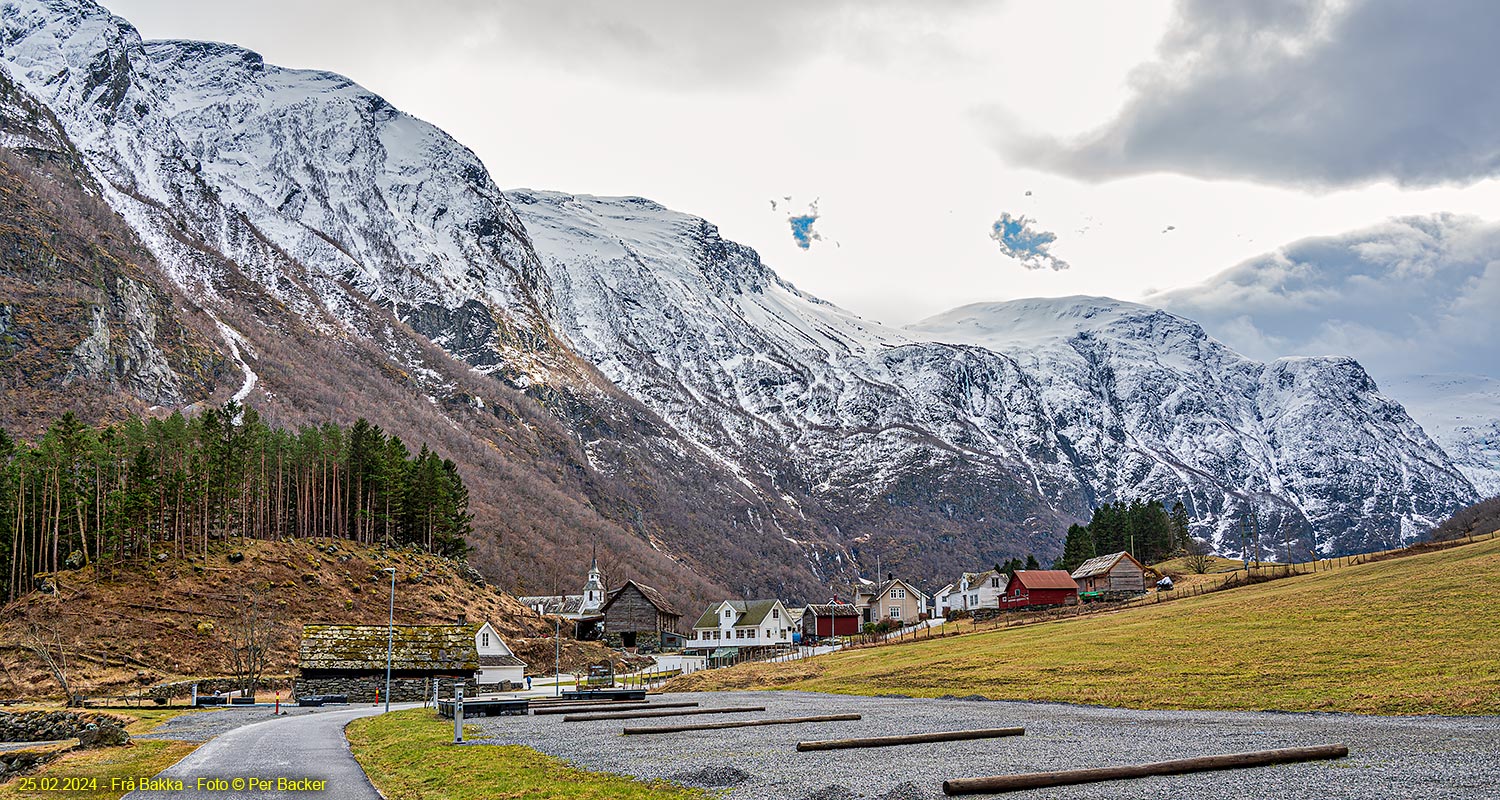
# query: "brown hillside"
{"points": [[129, 628]]}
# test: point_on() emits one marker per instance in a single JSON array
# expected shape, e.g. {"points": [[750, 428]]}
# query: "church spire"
{"points": [[593, 591]]}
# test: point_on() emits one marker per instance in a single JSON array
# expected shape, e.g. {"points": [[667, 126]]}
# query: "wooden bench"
{"points": [[605, 694], [484, 708]]}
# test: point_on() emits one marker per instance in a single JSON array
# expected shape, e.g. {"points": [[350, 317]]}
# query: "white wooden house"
{"points": [[743, 623], [497, 662], [976, 590], [943, 599]]}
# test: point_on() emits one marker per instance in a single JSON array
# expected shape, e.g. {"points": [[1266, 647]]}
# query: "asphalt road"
{"points": [[279, 751]]}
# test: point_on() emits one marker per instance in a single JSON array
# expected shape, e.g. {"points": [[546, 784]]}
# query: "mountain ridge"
{"points": [[697, 412]]}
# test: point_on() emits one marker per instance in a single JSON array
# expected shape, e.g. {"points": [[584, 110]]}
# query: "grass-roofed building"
{"points": [[351, 659]]}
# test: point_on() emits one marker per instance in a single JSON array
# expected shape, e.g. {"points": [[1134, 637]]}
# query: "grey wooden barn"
{"points": [[638, 616], [1116, 574]]}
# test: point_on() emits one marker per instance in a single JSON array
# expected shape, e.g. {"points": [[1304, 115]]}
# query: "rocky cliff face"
{"points": [[1048, 406], [681, 402], [1152, 406], [87, 321]]}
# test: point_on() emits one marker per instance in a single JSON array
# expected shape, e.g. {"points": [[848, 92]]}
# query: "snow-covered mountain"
{"points": [[770, 424], [1461, 413], [1156, 406], [1072, 400], [313, 188]]}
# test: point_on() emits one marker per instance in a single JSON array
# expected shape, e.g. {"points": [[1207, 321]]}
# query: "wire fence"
{"points": [[1206, 583], [1257, 573]]}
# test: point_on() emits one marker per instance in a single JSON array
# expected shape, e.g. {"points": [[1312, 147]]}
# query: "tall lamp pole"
{"points": [[557, 657], [390, 638]]}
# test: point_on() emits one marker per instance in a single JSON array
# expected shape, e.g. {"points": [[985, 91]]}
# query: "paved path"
{"points": [[310, 747]]}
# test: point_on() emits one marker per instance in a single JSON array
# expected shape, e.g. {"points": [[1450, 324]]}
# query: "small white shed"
{"points": [[497, 663]]}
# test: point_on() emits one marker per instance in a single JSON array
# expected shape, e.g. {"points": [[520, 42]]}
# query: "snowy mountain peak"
{"points": [[1036, 320]]}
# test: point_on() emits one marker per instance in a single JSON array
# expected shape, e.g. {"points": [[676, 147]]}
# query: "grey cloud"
{"points": [[1304, 92], [700, 44], [1412, 295], [719, 42]]}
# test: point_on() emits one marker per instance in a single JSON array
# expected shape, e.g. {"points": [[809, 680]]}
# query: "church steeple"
{"points": [[593, 591]]}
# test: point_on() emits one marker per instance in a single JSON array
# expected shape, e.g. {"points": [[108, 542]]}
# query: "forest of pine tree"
{"points": [[81, 495], [1146, 530]]}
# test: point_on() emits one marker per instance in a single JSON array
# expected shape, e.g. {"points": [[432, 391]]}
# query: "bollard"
{"points": [[458, 713]]}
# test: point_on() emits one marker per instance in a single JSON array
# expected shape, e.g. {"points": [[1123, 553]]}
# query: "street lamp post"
{"points": [[557, 657], [390, 638]]}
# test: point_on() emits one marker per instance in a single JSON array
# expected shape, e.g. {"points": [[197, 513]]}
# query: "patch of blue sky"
{"points": [[1020, 239], [802, 229]]}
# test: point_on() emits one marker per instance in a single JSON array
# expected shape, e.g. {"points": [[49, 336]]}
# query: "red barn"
{"points": [[833, 619], [1040, 587]]}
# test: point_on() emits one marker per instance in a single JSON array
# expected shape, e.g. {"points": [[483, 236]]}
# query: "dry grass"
{"points": [[134, 626], [1416, 635], [409, 755]]}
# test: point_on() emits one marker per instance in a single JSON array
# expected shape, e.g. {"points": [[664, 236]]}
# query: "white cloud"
{"points": [[1412, 295]]}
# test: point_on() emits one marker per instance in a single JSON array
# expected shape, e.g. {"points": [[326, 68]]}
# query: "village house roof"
{"points": [[977, 579], [500, 661], [428, 648], [1100, 565], [652, 596], [554, 604], [1045, 579], [748, 613], [885, 586], [832, 610]]}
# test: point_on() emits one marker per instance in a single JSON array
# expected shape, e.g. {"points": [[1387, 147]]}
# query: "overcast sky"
{"points": [[957, 151]]}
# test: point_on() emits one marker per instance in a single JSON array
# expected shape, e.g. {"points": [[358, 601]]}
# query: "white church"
{"points": [[580, 608]]}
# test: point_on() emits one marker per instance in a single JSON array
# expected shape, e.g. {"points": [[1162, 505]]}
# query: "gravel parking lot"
{"points": [[1390, 757]]}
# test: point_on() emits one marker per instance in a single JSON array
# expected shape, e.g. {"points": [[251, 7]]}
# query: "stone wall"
{"points": [[167, 691], [644, 642], [45, 726], [16, 762], [364, 688]]}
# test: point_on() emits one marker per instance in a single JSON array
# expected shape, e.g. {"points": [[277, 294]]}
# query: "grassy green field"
{"points": [[1413, 635], [409, 755]]}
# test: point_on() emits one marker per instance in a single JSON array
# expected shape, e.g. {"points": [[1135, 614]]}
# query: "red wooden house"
{"points": [[832, 619], [1040, 587]]}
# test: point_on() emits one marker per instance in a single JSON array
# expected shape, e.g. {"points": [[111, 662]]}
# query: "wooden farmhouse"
{"points": [[1030, 588], [637, 617], [350, 660], [895, 600], [1117, 574], [728, 625], [832, 619]]}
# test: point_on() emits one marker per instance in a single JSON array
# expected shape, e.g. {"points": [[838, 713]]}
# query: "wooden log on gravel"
{"points": [[911, 738], [643, 714], [628, 706], [748, 723], [1040, 780]]}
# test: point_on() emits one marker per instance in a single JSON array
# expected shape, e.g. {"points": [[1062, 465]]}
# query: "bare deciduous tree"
{"points": [[44, 640], [246, 641], [1198, 558]]}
